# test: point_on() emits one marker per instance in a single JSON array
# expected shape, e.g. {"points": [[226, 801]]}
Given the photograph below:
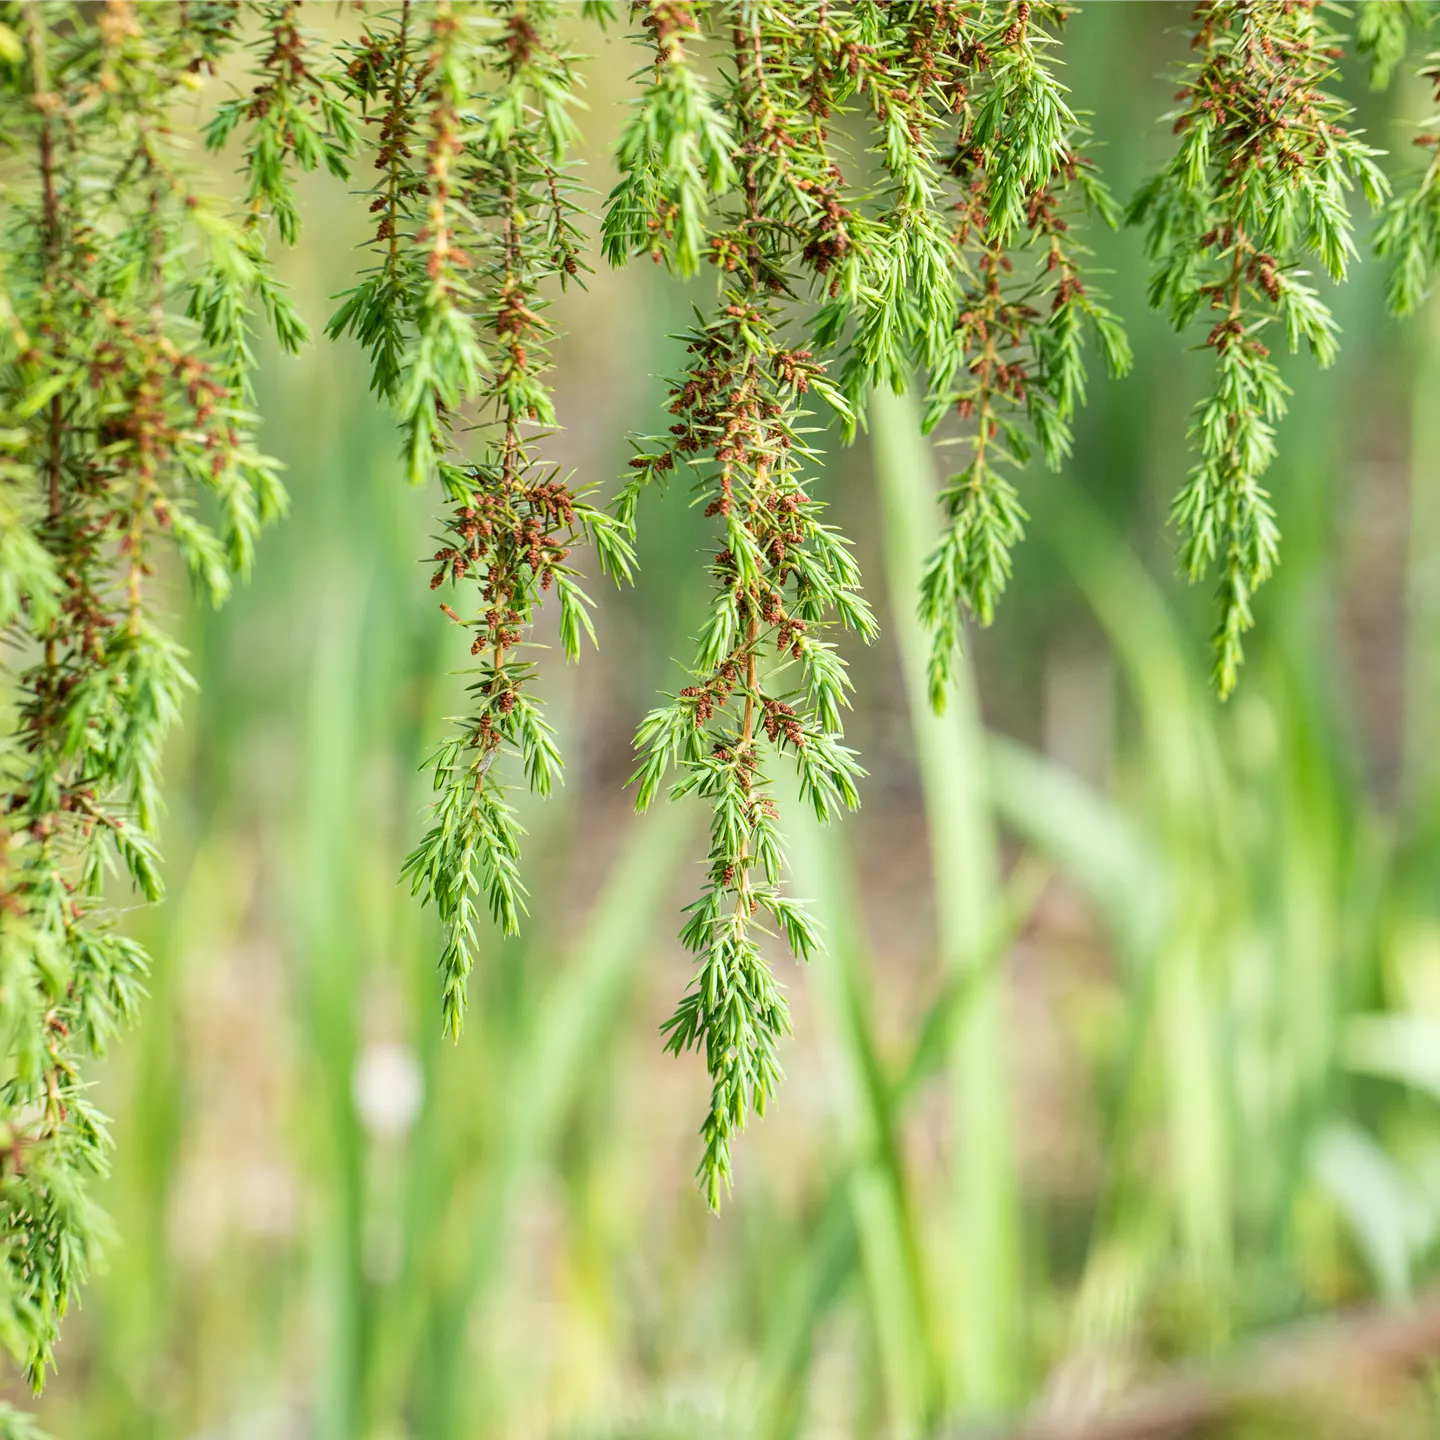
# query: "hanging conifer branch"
{"points": [[453, 317], [1011, 365], [896, 290], [781, 577], [1408, 235], [889, 278], [968, 273], [123, 417], [1259, 183], [1382, 34], [674, 152], [295, 119]]}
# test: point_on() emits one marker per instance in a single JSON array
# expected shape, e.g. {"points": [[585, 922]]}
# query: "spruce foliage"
{"points": [[880, 192]]}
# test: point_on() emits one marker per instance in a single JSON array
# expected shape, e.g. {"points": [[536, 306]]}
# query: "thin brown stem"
{"points": [[394, 125]]}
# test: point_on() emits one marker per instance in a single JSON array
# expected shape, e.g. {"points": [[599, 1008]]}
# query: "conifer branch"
{"points": [[1259, 184], [468, 242], [1011, 366], [765, 685], [125, 417], [1408, 235]]}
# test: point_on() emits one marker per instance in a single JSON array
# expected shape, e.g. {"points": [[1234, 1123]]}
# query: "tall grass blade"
{"points": [[985, 1278], [890, 1255], [1186, 782], [1422, 631], [565, 1050]]}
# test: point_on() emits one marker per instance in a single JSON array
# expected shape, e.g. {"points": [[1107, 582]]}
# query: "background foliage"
{"points": [[1125, 1045]]}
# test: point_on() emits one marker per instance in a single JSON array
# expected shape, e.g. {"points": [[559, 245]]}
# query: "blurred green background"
{"points": [[1126, 1045]]}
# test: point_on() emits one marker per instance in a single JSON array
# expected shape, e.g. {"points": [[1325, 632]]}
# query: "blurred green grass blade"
{"points": [[137, 1297], [984, 1276], [1080, 831], [1321, 855], [931, 1046], [577, 1022], [331, 974], [819, 1276], [1172, 702], [827, 1263], [585, 1005], [1400, 1047], [889, 1250], [1186, 779], [1391, 1222], [1422, 632], [1096, 844], [1104, 852]]}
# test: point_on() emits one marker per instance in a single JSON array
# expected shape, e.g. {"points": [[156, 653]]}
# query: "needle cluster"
{"points": [[1008, 367], [766, 684], [1408, 236], [476, 224], [125, 437], [1258, 186]]}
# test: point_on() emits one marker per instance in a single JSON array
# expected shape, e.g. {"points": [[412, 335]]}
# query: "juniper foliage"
{"points": [[1259, 184], [766, 684], [477, 224], [1408, 236], [125, 297], [879, 193], [975, 142], [1011, 363]]}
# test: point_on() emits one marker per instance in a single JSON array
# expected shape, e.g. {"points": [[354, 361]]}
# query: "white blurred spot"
{"points": [[387, 1088]]}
